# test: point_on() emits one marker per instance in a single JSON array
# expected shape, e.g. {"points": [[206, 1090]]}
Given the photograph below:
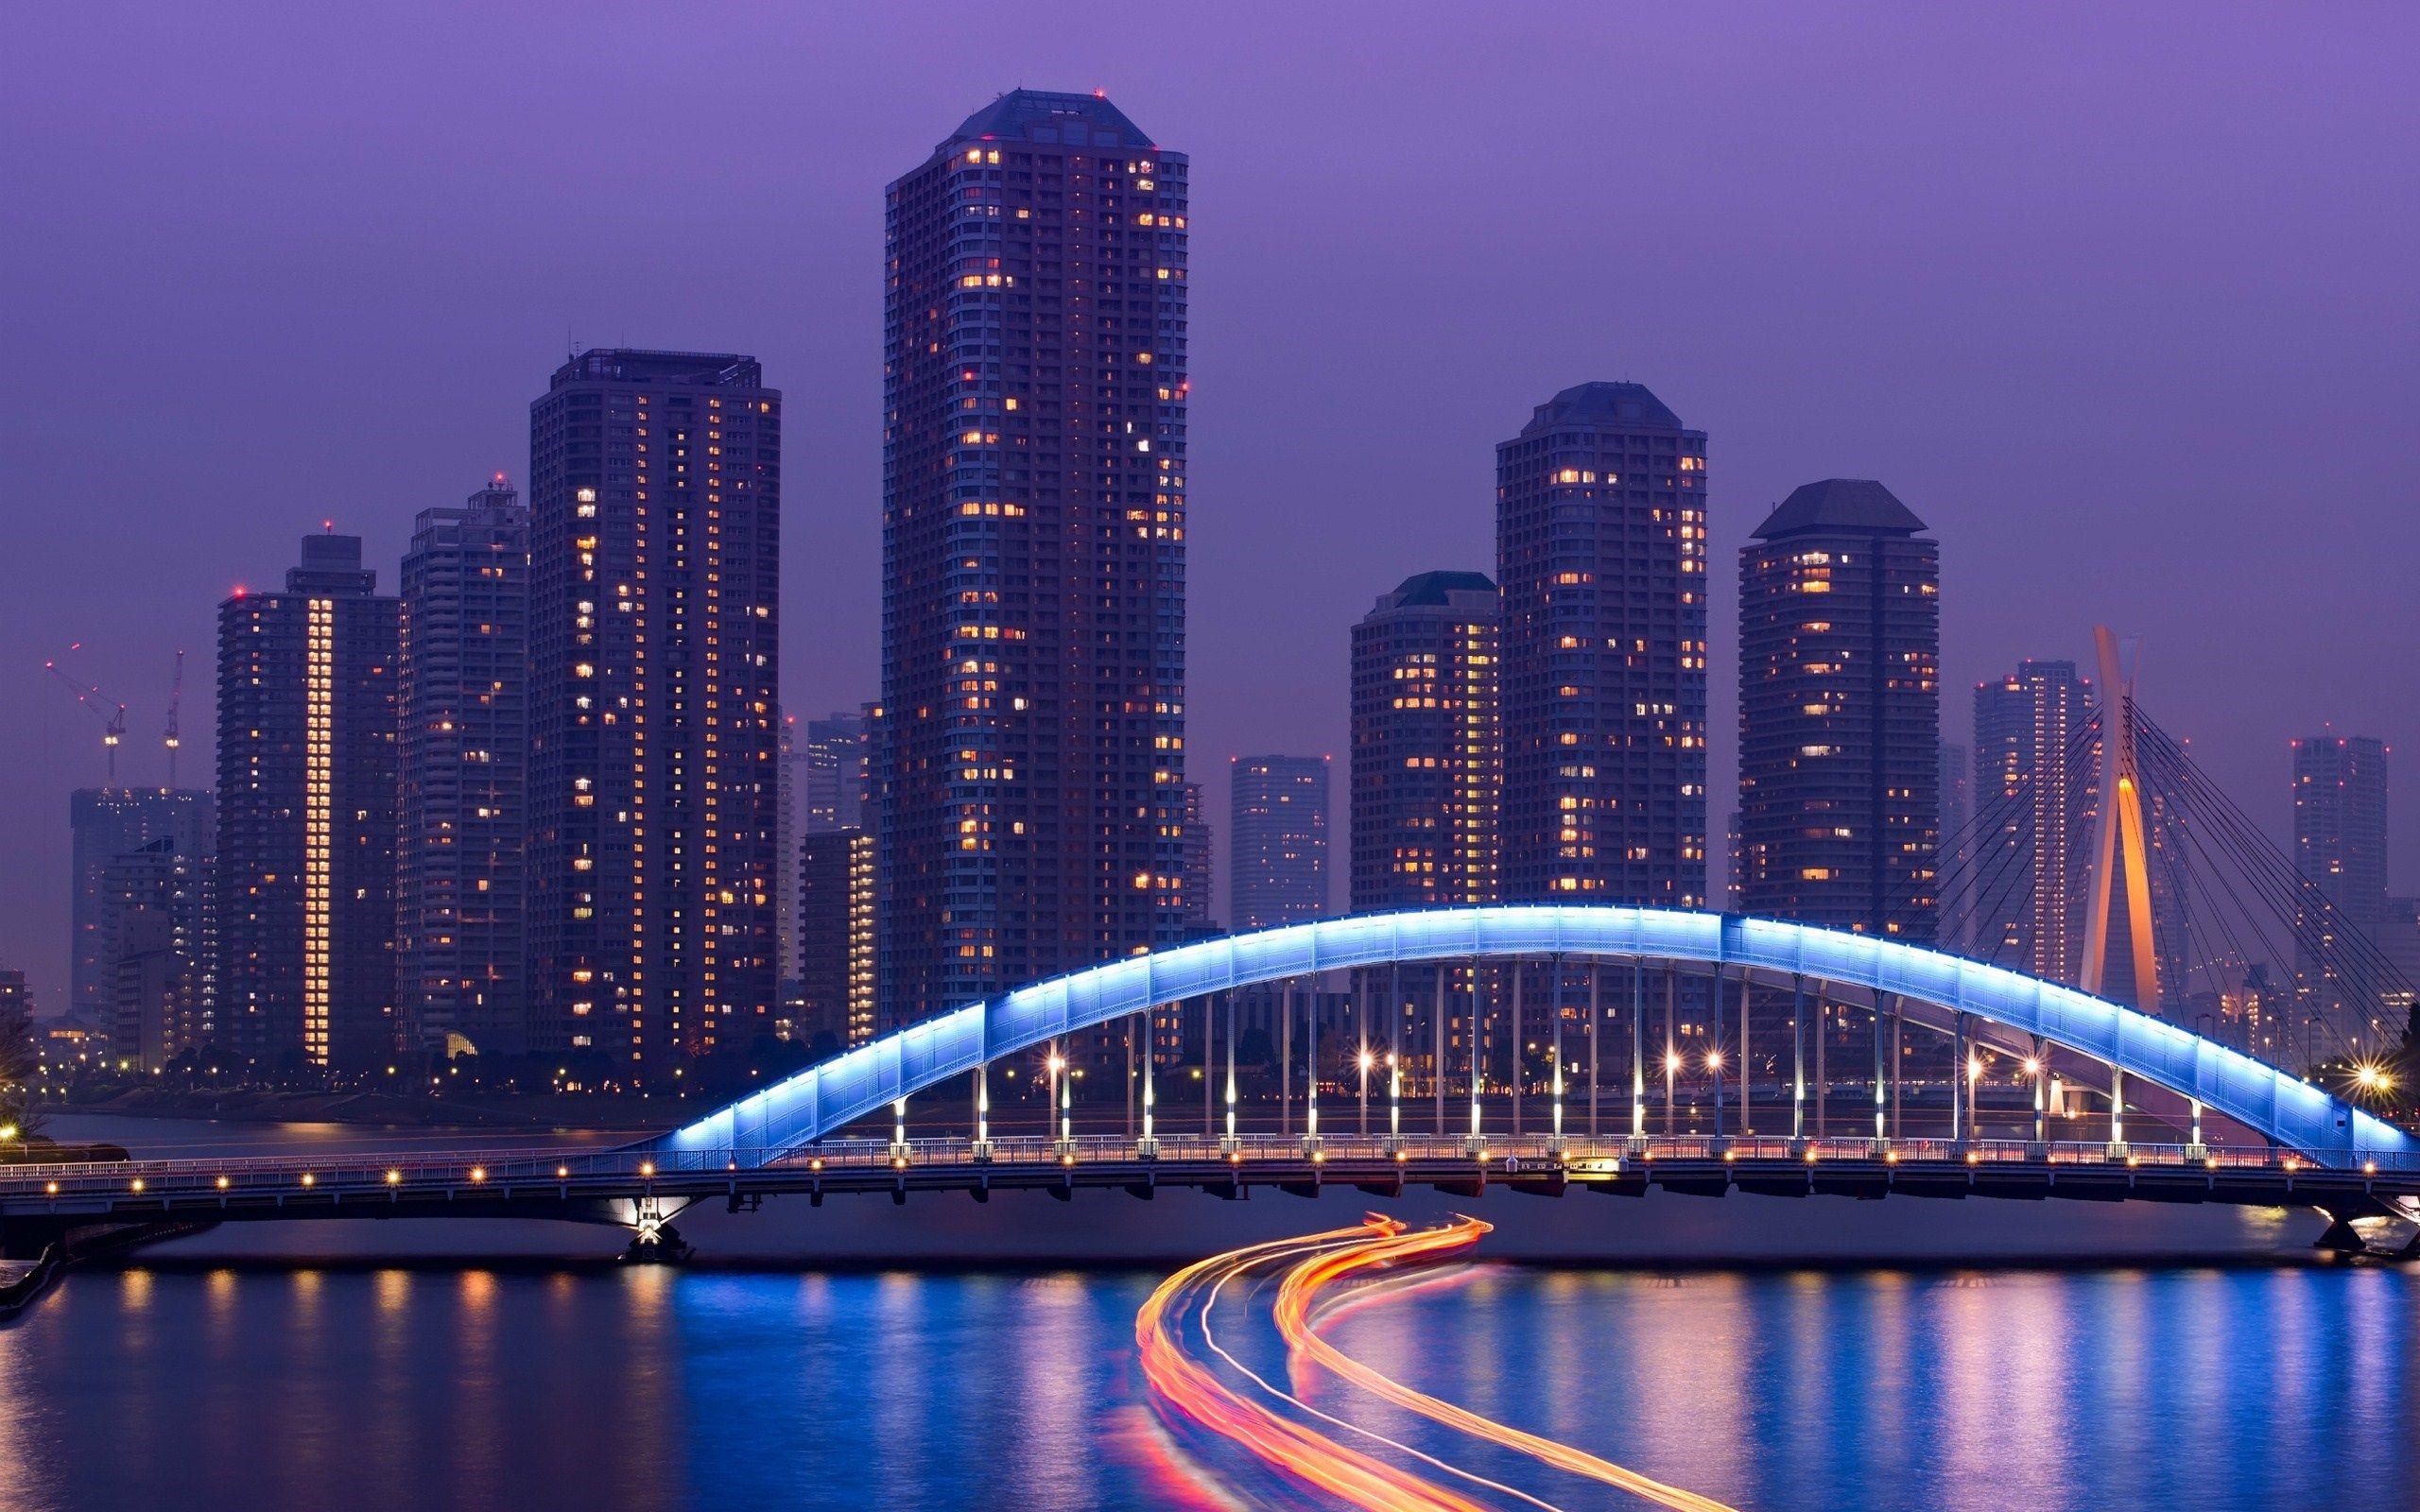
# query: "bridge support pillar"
{"points": [[653, 1239], [2342, 1238], [981, 1152], [1636, 1144], [1147, 1147]]}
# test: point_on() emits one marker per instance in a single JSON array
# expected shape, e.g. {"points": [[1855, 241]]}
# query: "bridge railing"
{"points": [[420, 1173]]}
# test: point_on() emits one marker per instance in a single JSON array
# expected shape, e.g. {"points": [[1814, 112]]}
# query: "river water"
{"points": [[529, 1371]]}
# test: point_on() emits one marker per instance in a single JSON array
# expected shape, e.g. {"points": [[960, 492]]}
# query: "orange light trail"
{"points": [[1209, 1337], [1392, 1246], [1357, 1478]]}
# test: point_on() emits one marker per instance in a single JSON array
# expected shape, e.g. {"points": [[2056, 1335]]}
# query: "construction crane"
{"points": [[176, 698], [112, 711]]}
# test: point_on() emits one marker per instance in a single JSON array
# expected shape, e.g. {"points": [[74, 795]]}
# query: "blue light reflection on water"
{"points": [[487, 1388]]}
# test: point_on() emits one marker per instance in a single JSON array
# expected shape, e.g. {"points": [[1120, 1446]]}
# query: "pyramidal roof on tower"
{"points": [[1841, 504], [1603, 404], [1039, 115]]}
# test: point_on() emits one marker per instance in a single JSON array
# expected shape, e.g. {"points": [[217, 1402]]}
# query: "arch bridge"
{"points": [[2284, 1142], [1974, 1004]]}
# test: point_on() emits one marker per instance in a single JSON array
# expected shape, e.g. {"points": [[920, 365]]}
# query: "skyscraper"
{"points": [[1956, 931], [2035, 760], [1840, 712], [307, 788], [1031, 750], [1194, 816], [1276, 840], [836, 919], [788, 827], [655, 533], [105, 823], [1601, 549], [2340, 852], [156, 922], [1426, 768], [834, 755], [465, 761]]}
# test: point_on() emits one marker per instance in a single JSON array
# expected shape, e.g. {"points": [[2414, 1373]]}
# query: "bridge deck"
{"points": [[582, 1183]]}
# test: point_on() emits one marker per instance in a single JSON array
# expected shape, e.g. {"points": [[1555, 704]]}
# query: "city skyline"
{"points": [[2313, 677]]}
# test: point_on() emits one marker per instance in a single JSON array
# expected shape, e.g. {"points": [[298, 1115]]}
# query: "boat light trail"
{"points": [[1358, 1478], [1300, 1289], [1210, 1338]]}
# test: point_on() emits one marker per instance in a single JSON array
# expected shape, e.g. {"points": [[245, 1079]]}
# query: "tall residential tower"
{"points": [[1601, 549], [1840, 712], [1426, 768], [2340, 852], [106, 823], [655, 536], [2035, 760], [306, 871], [1030, 755], [1276, 840], [465, 728]]}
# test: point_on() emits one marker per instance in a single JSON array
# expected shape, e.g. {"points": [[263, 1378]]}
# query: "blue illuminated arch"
{"points": [[831, 1094]]}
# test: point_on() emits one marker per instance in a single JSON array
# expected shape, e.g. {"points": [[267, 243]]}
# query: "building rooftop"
{"points": [[1841, 504], [331, 564], [1039, 115], [630, 365], [1603, 404], [1436, 588]]}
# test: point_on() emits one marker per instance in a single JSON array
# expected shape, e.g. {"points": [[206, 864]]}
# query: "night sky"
{"points": [[2120, 299]]}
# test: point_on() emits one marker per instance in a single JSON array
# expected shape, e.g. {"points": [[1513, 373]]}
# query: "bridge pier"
{"points": [[653, 1239]]}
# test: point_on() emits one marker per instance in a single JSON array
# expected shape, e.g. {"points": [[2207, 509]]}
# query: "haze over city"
{"points": [[744, 743], [2115, 300]]}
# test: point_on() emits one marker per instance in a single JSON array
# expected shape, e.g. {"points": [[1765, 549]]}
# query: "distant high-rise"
{"points": [[1426, 768], [655, 533], [836, 919], [787, 829], [2339, 850], [2034, 772], [2399, 944], [1032, 754], [1735, 864], [307, 788], [106, 823], [1276, 840], [834, 755], [1956, 931], [156, 916], [1601, 549], [1195, 817], [464, 763], [1840, 712]]}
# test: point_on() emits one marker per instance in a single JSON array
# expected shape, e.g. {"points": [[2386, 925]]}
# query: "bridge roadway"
{"points": [[639, 1189]]}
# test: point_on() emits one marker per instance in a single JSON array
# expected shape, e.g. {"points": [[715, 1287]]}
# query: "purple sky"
{"points": [[2119, 298]]}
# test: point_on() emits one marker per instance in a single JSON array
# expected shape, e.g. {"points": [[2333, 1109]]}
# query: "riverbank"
{"points": [[387, 1109]]}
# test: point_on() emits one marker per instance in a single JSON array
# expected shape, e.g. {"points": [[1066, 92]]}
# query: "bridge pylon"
{"points": [[2118, 835]]}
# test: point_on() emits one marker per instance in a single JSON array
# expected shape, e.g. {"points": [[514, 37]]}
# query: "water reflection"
{"points": [[213, 1387]]}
